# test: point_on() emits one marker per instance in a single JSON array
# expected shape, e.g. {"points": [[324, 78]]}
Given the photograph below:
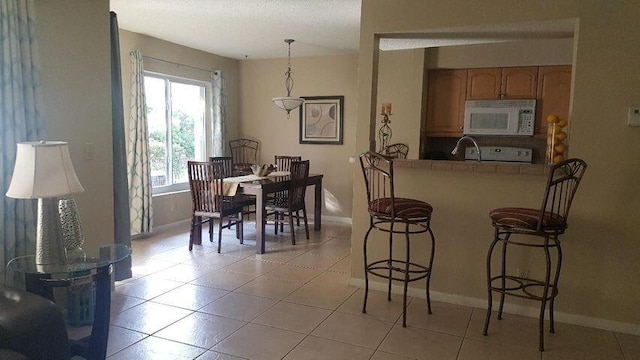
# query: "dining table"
{"points": [[260, 187]]}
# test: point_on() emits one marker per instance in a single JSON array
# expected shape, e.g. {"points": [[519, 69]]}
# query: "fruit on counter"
{"points": [[557, 159], [556, 149]]}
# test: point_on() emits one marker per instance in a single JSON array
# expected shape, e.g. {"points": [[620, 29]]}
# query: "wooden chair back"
{"points": [[283, 163], [227, 164], [244, 151], [205, 182], [299, 174]]}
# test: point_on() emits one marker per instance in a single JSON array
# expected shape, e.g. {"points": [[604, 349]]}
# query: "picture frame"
{"points": [[321, 120]]}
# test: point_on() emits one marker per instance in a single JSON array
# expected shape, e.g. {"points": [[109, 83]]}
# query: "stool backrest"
{"points": [[378, 178], [562, 184], [397, 151]]}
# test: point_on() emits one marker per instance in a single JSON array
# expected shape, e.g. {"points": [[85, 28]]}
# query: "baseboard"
{"points": [[573, 319], [335, 219], [162, 228]]}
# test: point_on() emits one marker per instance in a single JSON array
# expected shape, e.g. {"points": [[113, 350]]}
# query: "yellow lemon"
{"points": [[562, 123], [560, 148], [561, 135], [553, 118], [557, 159]]}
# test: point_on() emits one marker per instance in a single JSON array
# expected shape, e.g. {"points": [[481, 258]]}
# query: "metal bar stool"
{"points": [[546, 223], [386, 212]]}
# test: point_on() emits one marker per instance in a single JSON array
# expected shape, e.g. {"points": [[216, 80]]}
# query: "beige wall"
{"points": [[261, 80], [169, 208], [515, 53], [76, 87], [400, 83], [599, 283]]}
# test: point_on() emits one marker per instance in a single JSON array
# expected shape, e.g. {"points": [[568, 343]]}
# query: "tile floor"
{"points": [[294, 303]]}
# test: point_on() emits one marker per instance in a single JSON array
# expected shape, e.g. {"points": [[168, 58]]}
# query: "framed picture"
{"points": [[321, 120]]}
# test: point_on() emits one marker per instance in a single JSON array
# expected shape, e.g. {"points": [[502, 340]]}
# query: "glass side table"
{"points": [[83, 269]]}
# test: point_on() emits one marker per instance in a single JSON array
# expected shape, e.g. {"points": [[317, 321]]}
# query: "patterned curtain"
{"points": [[218, 113], [19, 121], [138, 165]]}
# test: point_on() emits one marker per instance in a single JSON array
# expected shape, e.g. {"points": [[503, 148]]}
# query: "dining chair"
{"points": [[206, 181], [537, 228], [227, 168], [244, 153], [286, 207], [394, 215], [227, 164], [283, 163], [397, 151]]}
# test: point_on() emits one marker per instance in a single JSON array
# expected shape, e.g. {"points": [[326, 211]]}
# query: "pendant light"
{"points": [[288, 103]]}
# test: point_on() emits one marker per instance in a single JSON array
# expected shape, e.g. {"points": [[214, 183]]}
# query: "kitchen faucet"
{"points": [[466, 137]]}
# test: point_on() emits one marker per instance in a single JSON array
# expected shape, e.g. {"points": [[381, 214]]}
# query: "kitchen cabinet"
{"points": [[446, 92], [502, 83], [554, 89]]}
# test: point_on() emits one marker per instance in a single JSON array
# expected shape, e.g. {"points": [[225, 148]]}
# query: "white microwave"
{"points": [[499, 117]]}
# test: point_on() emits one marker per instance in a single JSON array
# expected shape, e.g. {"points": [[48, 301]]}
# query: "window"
{"points": [[176, 120]]}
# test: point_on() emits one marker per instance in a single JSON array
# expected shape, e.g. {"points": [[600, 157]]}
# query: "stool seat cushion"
{"points": [[525, 218], [404, 208]]}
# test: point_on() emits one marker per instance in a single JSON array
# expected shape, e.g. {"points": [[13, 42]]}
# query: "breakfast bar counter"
{"points": [[474, 166]]}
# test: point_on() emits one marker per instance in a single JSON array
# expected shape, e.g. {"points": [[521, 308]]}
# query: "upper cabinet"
{"points": [[502, 83], [446, 91], [554, 89]]}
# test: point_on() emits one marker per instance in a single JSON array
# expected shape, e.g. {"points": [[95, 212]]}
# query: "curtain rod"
{"points": [[178, 64]]}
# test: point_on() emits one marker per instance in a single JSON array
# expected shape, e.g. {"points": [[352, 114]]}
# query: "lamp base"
{"points": [[49, 241]]}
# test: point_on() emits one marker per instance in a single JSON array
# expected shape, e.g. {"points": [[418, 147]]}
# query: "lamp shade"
{"points": [[43, 169], [287, 103]]}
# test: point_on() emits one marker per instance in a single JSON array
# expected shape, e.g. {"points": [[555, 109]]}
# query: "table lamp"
{"points": [[44, 171]]}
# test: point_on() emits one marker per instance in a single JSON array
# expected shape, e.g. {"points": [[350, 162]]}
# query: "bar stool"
{"points": [[545, 225], [386, 212]]}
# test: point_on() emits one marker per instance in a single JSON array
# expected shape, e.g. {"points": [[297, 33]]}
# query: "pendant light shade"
{"points": [[288, 103]]}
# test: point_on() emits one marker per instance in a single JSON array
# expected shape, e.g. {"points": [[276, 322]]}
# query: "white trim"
{"points": [[610, 325], [178, 224]]}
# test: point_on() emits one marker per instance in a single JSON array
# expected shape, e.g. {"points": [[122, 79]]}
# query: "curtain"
{"points": [[218, 113], [19, 121], [138, 165], [121, 214]]}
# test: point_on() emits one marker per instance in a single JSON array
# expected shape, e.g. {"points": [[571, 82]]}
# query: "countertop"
{"points": [[473, 166]]}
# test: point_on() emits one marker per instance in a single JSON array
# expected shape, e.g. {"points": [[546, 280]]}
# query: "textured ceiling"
{"points": [[255, 28]]}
